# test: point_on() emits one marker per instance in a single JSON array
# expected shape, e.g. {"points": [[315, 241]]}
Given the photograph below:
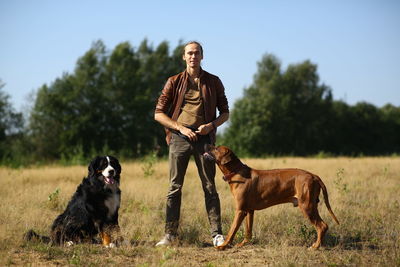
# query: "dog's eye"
{"points": [[103, 164]]}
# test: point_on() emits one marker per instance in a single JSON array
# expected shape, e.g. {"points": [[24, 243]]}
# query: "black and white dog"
{"points": [[92, 210]]}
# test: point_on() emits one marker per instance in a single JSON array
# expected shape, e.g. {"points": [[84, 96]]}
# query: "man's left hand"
{"points": [[205, 129]]}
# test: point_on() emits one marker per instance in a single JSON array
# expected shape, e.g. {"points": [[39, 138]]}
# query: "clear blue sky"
{"points": [[355, 43]]}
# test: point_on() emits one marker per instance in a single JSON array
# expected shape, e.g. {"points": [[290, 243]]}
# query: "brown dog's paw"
{"points": [[220, 247], [243, 243], [313, 248]]}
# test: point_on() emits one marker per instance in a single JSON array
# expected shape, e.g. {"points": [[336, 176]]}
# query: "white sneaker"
{"points": [[218, 240], [166, 241]]}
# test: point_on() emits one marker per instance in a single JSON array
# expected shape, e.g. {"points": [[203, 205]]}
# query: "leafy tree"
{"points": [[366, 126], [364, 129], [390, 116], [137, 78], [281, 112], [11, 124], [68, 114], [123, 89], [292, 113], [106, 105]]}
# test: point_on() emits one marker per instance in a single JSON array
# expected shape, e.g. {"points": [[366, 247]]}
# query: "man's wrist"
{"points": [[213, 125], [177, 126]]}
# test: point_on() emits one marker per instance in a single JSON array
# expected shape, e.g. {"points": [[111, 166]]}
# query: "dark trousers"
{"points": [[180, 151]]}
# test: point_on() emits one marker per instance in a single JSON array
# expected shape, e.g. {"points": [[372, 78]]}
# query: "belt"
{"points": [[199, 137]]}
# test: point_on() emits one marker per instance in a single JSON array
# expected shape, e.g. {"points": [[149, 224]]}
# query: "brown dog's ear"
{"points": [[227, 157]]}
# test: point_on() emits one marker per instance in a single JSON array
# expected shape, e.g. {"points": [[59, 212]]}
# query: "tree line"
{"points": [[291, 113], [106, 106]]}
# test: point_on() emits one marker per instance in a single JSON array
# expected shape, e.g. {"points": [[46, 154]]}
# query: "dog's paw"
{"points": [[313, 248], [240, 244], [220, 247], [111, 245]]}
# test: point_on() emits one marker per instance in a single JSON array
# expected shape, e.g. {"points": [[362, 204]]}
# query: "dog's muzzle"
{"points": [[109, 180], [108, 175], [208, 156]]}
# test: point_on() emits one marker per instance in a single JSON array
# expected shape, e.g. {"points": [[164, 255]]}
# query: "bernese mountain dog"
{"points": [[92, 210]]}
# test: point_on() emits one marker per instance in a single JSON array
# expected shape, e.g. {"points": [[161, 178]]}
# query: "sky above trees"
{"points": [[354, 43]]}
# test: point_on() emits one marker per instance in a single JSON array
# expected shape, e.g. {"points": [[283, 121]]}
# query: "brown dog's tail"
{"points": [[325, 192]]}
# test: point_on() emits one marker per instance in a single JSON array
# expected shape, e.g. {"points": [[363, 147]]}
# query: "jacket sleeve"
{"points": [[222, 101], [165, 99]]}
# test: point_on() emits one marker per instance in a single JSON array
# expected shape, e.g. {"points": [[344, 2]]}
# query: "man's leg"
{"points": [[206, 169], [179, 155]]}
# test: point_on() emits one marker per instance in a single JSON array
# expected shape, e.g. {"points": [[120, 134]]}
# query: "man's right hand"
{"points": [[169, 123], [188, 132]]}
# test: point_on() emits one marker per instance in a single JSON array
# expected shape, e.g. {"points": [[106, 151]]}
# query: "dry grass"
{"points": [[364, 194]]}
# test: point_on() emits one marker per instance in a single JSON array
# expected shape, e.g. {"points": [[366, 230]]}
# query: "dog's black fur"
{"points": [[93, 208]]}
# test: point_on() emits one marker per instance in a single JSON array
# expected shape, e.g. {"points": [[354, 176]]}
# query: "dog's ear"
{"points": [[94, 165], [227, 157]]}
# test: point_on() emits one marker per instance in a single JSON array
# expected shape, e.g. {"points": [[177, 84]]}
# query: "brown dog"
{"points": [[260, 189]]}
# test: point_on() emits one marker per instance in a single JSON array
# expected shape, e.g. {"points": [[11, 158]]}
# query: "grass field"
{"points": [[364, 194]]}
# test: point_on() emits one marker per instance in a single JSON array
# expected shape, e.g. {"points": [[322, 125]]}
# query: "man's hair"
{"points": [[192, 42]]}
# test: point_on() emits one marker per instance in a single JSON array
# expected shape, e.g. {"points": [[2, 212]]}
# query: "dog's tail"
{"points": [[33, 236], [325, 192]]}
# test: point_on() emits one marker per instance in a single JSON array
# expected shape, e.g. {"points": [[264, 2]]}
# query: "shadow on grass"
{"points": [[348, 242]]}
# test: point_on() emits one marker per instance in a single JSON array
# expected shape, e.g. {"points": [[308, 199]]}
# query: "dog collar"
{"points": [[228, 177], [230, 181]]}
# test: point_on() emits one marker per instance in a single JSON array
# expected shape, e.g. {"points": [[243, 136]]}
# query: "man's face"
{"points": [[192, 55]]}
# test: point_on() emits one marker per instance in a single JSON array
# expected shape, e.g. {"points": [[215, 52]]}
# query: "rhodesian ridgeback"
{"points": [[259, 189]]}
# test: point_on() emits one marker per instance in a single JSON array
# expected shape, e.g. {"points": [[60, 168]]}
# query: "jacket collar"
{"points": [[186, 74]]}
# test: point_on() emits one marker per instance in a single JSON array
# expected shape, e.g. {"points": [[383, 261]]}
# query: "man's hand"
{"points": [[205, 129], [189, 133]]}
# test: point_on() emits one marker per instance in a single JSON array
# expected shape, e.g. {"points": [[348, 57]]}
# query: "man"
{"points": [[187, 109]]}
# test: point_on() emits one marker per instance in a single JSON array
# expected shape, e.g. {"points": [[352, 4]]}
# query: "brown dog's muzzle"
{"points": [[208, 155]]}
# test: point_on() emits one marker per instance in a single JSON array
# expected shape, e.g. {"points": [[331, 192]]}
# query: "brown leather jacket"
{"points": [[172, 96]]}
